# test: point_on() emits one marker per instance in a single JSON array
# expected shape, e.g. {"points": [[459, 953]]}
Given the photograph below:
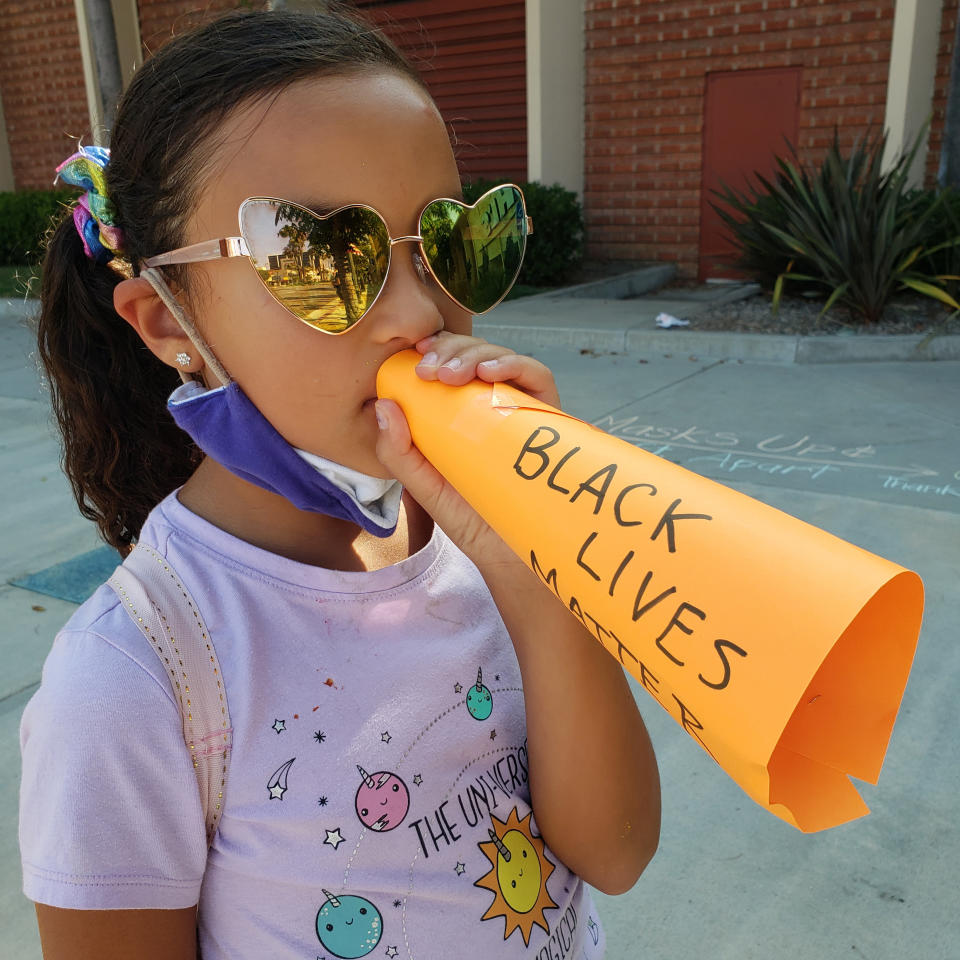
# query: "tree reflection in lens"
{"points": [[325, 271], [476, 252]]}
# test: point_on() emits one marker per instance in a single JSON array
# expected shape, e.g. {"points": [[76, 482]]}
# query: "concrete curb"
{"points": [[776, 348], [633, 283]]}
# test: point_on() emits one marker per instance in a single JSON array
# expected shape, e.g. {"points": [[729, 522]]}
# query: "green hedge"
{"points": [[24, 219], [555, 248]]}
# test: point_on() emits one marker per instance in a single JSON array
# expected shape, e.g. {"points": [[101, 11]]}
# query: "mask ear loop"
{"points": [[155, 279]]}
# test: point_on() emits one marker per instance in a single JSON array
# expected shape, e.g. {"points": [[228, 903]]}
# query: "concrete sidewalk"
{"points": [[867, 451], [605, 323]]}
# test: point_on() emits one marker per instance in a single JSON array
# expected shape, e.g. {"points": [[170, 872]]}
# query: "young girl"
{"points": [[403, 691]]}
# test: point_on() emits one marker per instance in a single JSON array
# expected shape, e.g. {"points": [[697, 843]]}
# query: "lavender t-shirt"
{"points": [[379, 741]]}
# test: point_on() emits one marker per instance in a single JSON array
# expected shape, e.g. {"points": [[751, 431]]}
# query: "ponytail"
{"points": [[122, 451]]}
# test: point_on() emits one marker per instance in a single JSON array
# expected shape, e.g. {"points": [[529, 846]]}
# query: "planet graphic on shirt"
{"points": [[348, 926], [518, 871], [518, 875], [382, 800], [479, 698]]}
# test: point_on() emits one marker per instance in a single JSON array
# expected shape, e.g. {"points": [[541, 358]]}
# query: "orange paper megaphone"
{"points": [[781, 649]]}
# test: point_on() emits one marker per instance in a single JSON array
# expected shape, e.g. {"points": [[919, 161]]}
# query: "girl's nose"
{"points": [[407, 307]]}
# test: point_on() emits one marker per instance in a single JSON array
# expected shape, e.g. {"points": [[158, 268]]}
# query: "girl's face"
{"points": [[373, 138]]}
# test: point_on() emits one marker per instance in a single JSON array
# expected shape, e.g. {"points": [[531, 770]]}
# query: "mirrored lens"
{"points": [[476, 252], [326, 272]]}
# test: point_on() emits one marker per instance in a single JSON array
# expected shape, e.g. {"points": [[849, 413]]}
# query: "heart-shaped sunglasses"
{"points": [[329, 270]]}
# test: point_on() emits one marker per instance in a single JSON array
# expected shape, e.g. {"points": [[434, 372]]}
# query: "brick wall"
{"points": [[948, 28], [160, 20], [646, 63], [41, 81], [41, 75]]}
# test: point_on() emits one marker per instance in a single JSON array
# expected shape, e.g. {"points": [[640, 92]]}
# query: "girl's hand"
{"points": [[457, 360]]}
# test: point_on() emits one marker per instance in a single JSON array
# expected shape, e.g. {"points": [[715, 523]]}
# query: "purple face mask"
{"points": [[226, 426]]}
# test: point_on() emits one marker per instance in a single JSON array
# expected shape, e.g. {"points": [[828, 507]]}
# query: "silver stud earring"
{"points": [[183, 359]]}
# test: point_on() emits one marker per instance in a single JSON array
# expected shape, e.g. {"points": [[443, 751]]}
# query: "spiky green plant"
{"points": [[849, 228]]}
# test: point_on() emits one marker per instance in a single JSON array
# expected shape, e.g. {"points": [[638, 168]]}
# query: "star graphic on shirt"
{"points": [[497, 677], [417, 779], [493, 734], [334, 838], [459, 868], [398, 903], [322, 801], [457, 688], [385, 736], [277, 784], [279, 725], [392, 951], [319, 736]]}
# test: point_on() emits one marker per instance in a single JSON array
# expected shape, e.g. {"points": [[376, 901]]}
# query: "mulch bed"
{"points": [[799, 315]]}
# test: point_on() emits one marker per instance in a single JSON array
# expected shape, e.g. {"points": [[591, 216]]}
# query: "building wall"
{"points": [[41, 83], [161, 20], [948, 29], [472, 55], [646, 63]]}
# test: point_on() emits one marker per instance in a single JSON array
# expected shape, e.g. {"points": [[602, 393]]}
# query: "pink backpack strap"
{"points": [[162, 608]]}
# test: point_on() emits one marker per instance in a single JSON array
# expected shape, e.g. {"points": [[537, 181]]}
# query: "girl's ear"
{"points": [[137, 302]]}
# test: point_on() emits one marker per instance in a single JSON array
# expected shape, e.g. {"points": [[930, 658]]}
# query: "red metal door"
{"points": [[748, 117], [472, 55]]}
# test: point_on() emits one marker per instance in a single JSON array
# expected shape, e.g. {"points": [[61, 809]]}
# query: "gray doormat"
{"points": [[73, 580]]}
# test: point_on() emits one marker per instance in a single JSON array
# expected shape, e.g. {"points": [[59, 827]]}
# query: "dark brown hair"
{"points": [[122, 451]]}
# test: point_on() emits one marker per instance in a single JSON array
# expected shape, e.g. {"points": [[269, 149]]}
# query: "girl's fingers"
{"points": [[456, 360], [529, 375], [456, 517], [474, 358], [395, 450]]}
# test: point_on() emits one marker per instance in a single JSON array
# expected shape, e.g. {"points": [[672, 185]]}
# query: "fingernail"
{"points": [[381, 417], [429, 360], [488, 363], [455, 364]]}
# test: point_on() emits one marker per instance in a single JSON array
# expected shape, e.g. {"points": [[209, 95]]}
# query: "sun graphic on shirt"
{"points": [[519, 869]]}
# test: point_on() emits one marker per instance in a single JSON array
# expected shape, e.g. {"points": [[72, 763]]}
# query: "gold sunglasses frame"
{"points": [[225, 247]]}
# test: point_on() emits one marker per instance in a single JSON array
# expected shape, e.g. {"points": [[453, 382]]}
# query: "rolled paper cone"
{"points": [[782, 650]]}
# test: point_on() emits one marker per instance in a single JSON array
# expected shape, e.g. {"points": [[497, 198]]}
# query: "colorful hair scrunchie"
{"points": [[93, 214]]}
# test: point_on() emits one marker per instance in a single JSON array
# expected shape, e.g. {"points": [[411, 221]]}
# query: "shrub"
{"points": [[848, 228], [941, 253], [555, 248], [762, 253], [25, 217]]}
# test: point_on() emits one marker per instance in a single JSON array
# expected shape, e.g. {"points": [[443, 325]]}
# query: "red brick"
{"points": [[41, 81], [652, 89]]}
